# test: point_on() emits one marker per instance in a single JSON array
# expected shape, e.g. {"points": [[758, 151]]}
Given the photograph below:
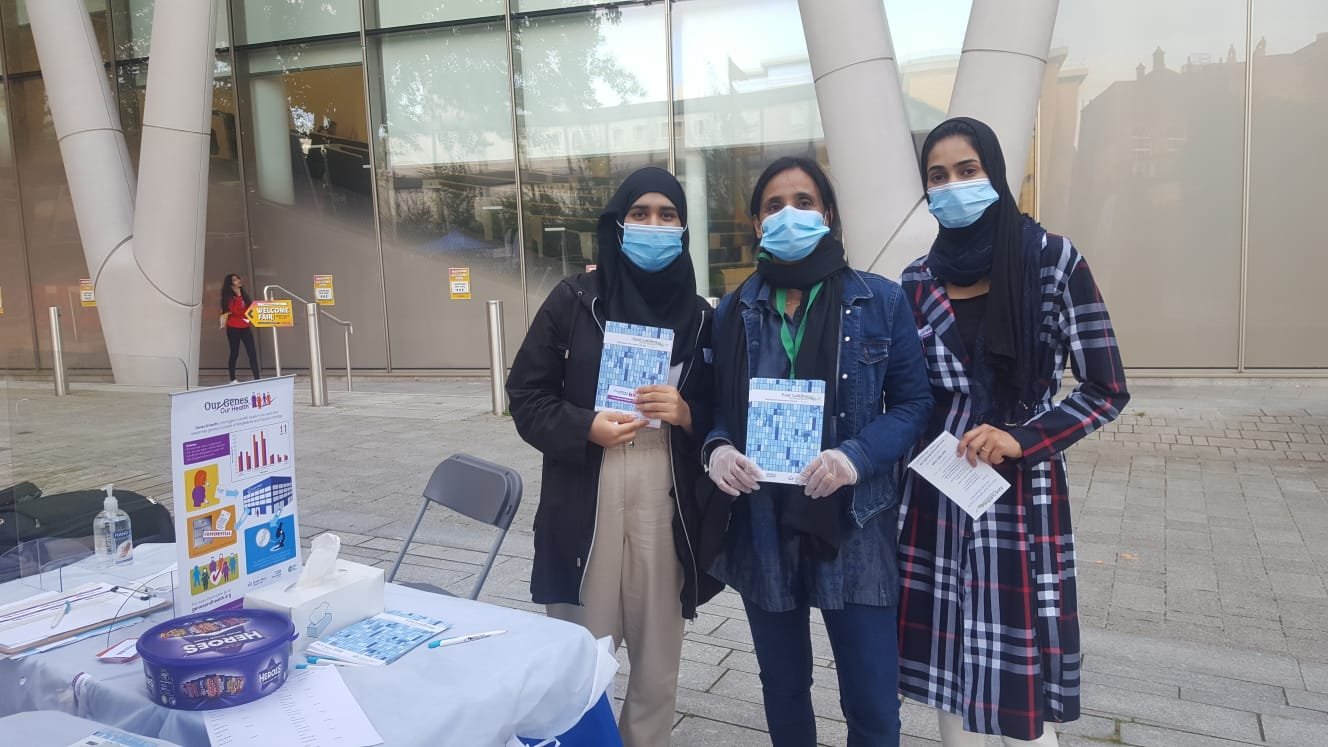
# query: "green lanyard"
{"points": [[793, 344]]}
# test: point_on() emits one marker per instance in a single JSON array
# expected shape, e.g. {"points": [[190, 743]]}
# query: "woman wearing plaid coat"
{"points": [[988, 620]]}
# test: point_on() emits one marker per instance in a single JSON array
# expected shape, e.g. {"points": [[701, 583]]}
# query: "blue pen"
{"points": [[333, 662], [63, 612]]}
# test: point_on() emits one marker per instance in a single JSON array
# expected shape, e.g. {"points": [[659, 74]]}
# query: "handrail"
{"points": [[347, 330]]}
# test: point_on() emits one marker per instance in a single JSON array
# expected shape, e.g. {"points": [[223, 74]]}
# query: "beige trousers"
{"points": [[953, 734], [632, 582]]}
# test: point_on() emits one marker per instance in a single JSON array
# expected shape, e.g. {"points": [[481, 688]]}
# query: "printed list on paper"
{"points": [[975, 489], [313, 709]]}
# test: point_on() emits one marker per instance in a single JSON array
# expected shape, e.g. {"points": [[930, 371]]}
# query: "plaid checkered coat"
{"points": [[989, 624]]}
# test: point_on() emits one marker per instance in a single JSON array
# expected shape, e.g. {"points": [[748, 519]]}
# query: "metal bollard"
{"points": [[317, 377], [58, 354], [346, 330], [497, 358]]}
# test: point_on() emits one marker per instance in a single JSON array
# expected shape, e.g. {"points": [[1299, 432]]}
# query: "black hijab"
{"points": [[658, 299], [995, 246]]}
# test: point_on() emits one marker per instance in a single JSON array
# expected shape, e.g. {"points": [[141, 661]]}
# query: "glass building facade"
{"points": [[386, 142]]}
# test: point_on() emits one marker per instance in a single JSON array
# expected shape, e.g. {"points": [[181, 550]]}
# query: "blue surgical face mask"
{"points": [[652, 248], [792, 234], [960, 204]]}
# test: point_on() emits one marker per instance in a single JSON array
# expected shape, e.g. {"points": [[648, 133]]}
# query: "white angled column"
{"points": [[1000, 73], [92, 145], [147, 294], [872, 159], [170, 226], [857, 87]]}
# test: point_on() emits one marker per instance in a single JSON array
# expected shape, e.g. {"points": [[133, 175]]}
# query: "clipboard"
{"points": [[46, 618]]}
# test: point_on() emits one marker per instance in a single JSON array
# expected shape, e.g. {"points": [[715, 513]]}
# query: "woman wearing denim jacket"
{"points": [[828, 543]]}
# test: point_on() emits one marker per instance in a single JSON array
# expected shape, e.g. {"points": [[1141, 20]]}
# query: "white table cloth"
{"points": [[535, 681], [56, 729]]}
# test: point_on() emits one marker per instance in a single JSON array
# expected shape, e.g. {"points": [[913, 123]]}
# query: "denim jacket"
{"points": [[884, 396]]}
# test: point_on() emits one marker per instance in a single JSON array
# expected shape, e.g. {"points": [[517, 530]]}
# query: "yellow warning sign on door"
{"points": [[458, 280], [87, 295]]}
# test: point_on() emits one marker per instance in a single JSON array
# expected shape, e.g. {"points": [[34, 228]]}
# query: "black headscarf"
{"points": [[996, 246], [658, 299]]}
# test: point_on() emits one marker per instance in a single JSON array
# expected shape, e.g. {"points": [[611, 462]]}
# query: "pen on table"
{"points": [[324, 660], [326, 663], [63, 611], [465, 638], [141, 596]]}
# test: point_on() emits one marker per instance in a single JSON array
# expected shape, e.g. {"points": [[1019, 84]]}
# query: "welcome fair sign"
{"points": [[233, 463]]}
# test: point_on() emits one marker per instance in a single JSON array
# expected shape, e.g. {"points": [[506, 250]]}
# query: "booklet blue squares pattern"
{"points": [[784, 418], [378, 640], [634, 356]]}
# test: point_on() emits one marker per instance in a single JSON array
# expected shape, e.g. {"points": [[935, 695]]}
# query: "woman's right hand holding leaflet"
{"points": [[732, 471], [614, 428]]}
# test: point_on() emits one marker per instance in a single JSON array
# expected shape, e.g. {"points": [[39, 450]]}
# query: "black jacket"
{"points": [[552, 393]]}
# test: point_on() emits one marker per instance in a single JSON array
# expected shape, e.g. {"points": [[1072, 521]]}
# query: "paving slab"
{"points": [[1201, 518]]}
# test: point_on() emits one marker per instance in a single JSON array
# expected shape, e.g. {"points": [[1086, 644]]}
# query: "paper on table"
{"points": [[48, 617], [313, 708], [974, 489]]}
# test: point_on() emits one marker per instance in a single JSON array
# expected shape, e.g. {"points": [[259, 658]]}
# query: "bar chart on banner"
{"points": [[255, 452]]}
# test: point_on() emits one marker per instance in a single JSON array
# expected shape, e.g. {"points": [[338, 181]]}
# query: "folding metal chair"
{"points": [[476, 488]]}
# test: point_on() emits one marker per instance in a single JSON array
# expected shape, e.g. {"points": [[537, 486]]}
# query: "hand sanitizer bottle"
{"points": [[111, 532]]}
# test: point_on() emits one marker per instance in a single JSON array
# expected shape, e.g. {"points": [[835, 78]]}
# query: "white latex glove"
{"points": [[828, 472], [733, 472]]}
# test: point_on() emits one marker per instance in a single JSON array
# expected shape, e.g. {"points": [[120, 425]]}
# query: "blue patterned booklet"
{"points": [[634, 356], [784, 418], [378, 640]]}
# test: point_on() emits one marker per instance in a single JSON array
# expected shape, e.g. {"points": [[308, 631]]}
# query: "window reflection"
{"points": [[260, 21], [928, 36], [389, 13], [447, 196], [309, 185], [1288, 155], [16, 322], [1141, 155], [591, 104], [743, 101], [132, 23], [50, 231]]}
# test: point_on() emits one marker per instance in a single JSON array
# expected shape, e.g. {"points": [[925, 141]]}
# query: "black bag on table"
{"points": [[27, 514]]}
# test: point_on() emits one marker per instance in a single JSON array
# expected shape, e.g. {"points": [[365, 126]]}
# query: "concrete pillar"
{"points": [[1000, 73], [147, 298], [169, 231], [872, 160], [857, 89], [92, 145]]}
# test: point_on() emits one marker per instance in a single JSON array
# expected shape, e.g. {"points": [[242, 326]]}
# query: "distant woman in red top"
{"points": [[235, 301]]}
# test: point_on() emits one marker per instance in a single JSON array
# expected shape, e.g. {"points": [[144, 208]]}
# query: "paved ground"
{"points": [[1201, 517]]}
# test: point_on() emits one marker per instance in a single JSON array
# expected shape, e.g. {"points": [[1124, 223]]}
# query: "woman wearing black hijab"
{"points": [[988, 628], [614, 527]]}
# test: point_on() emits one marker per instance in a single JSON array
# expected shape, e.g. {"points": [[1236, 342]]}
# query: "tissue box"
{"points": [[353, 593]]}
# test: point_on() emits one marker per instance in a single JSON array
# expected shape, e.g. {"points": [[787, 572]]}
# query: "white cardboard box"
{"points": [[352, 594]]}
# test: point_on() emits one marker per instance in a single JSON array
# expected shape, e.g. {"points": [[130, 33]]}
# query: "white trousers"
{"points": [[633, 581]]}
